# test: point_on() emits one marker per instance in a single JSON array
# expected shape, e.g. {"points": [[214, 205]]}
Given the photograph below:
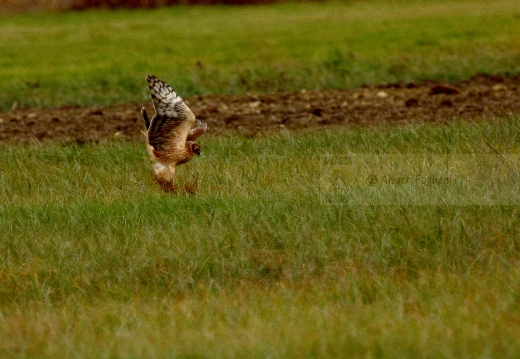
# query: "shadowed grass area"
{"points": [[254, 265], [102, 57]]}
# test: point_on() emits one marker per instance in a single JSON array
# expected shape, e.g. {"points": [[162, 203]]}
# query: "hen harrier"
{"points": [[172, 132]]}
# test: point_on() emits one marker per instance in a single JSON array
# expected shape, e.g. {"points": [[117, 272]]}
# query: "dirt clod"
{"points": [[412, 101], [443, 89]]}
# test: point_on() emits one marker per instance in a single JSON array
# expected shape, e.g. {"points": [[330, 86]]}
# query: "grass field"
{"points": [[96, 262], [102, 57], [255, 265]]}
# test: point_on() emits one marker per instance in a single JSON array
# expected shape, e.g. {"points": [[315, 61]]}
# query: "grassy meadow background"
{"points": [[102, 57], [96, 262]]}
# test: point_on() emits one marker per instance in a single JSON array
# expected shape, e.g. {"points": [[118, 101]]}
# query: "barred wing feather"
{"points": [[173, 119]]}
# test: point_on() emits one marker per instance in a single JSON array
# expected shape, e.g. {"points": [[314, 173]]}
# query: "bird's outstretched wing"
{"points": [[173, 119]]}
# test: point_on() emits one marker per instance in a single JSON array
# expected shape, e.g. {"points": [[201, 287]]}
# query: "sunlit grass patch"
{"points": [[102, 57], [255, 264]]}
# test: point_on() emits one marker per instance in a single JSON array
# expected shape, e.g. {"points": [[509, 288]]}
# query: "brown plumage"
{"points": [[172, 131]]}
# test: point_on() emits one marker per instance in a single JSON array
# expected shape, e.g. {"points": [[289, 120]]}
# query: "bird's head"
{"points": [[195, 148]]}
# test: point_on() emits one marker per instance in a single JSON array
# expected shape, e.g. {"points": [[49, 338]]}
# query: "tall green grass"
{"points": [[96, 262], [102, 57]]}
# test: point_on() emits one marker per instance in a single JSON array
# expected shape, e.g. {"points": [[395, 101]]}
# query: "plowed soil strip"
{"points": [[482, 96]]}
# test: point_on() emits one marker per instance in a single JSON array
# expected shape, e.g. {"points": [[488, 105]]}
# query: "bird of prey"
{"points": [[171, 133]]}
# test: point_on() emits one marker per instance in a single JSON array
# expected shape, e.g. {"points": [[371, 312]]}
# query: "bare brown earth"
{"points": [[483, 96], [10, 6]]}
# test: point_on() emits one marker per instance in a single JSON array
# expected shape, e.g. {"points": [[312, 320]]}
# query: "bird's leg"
{"points": [[164, 177], [167, 187]]}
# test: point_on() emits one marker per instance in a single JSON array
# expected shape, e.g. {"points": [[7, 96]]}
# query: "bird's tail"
{"points": [[145, 117]]}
